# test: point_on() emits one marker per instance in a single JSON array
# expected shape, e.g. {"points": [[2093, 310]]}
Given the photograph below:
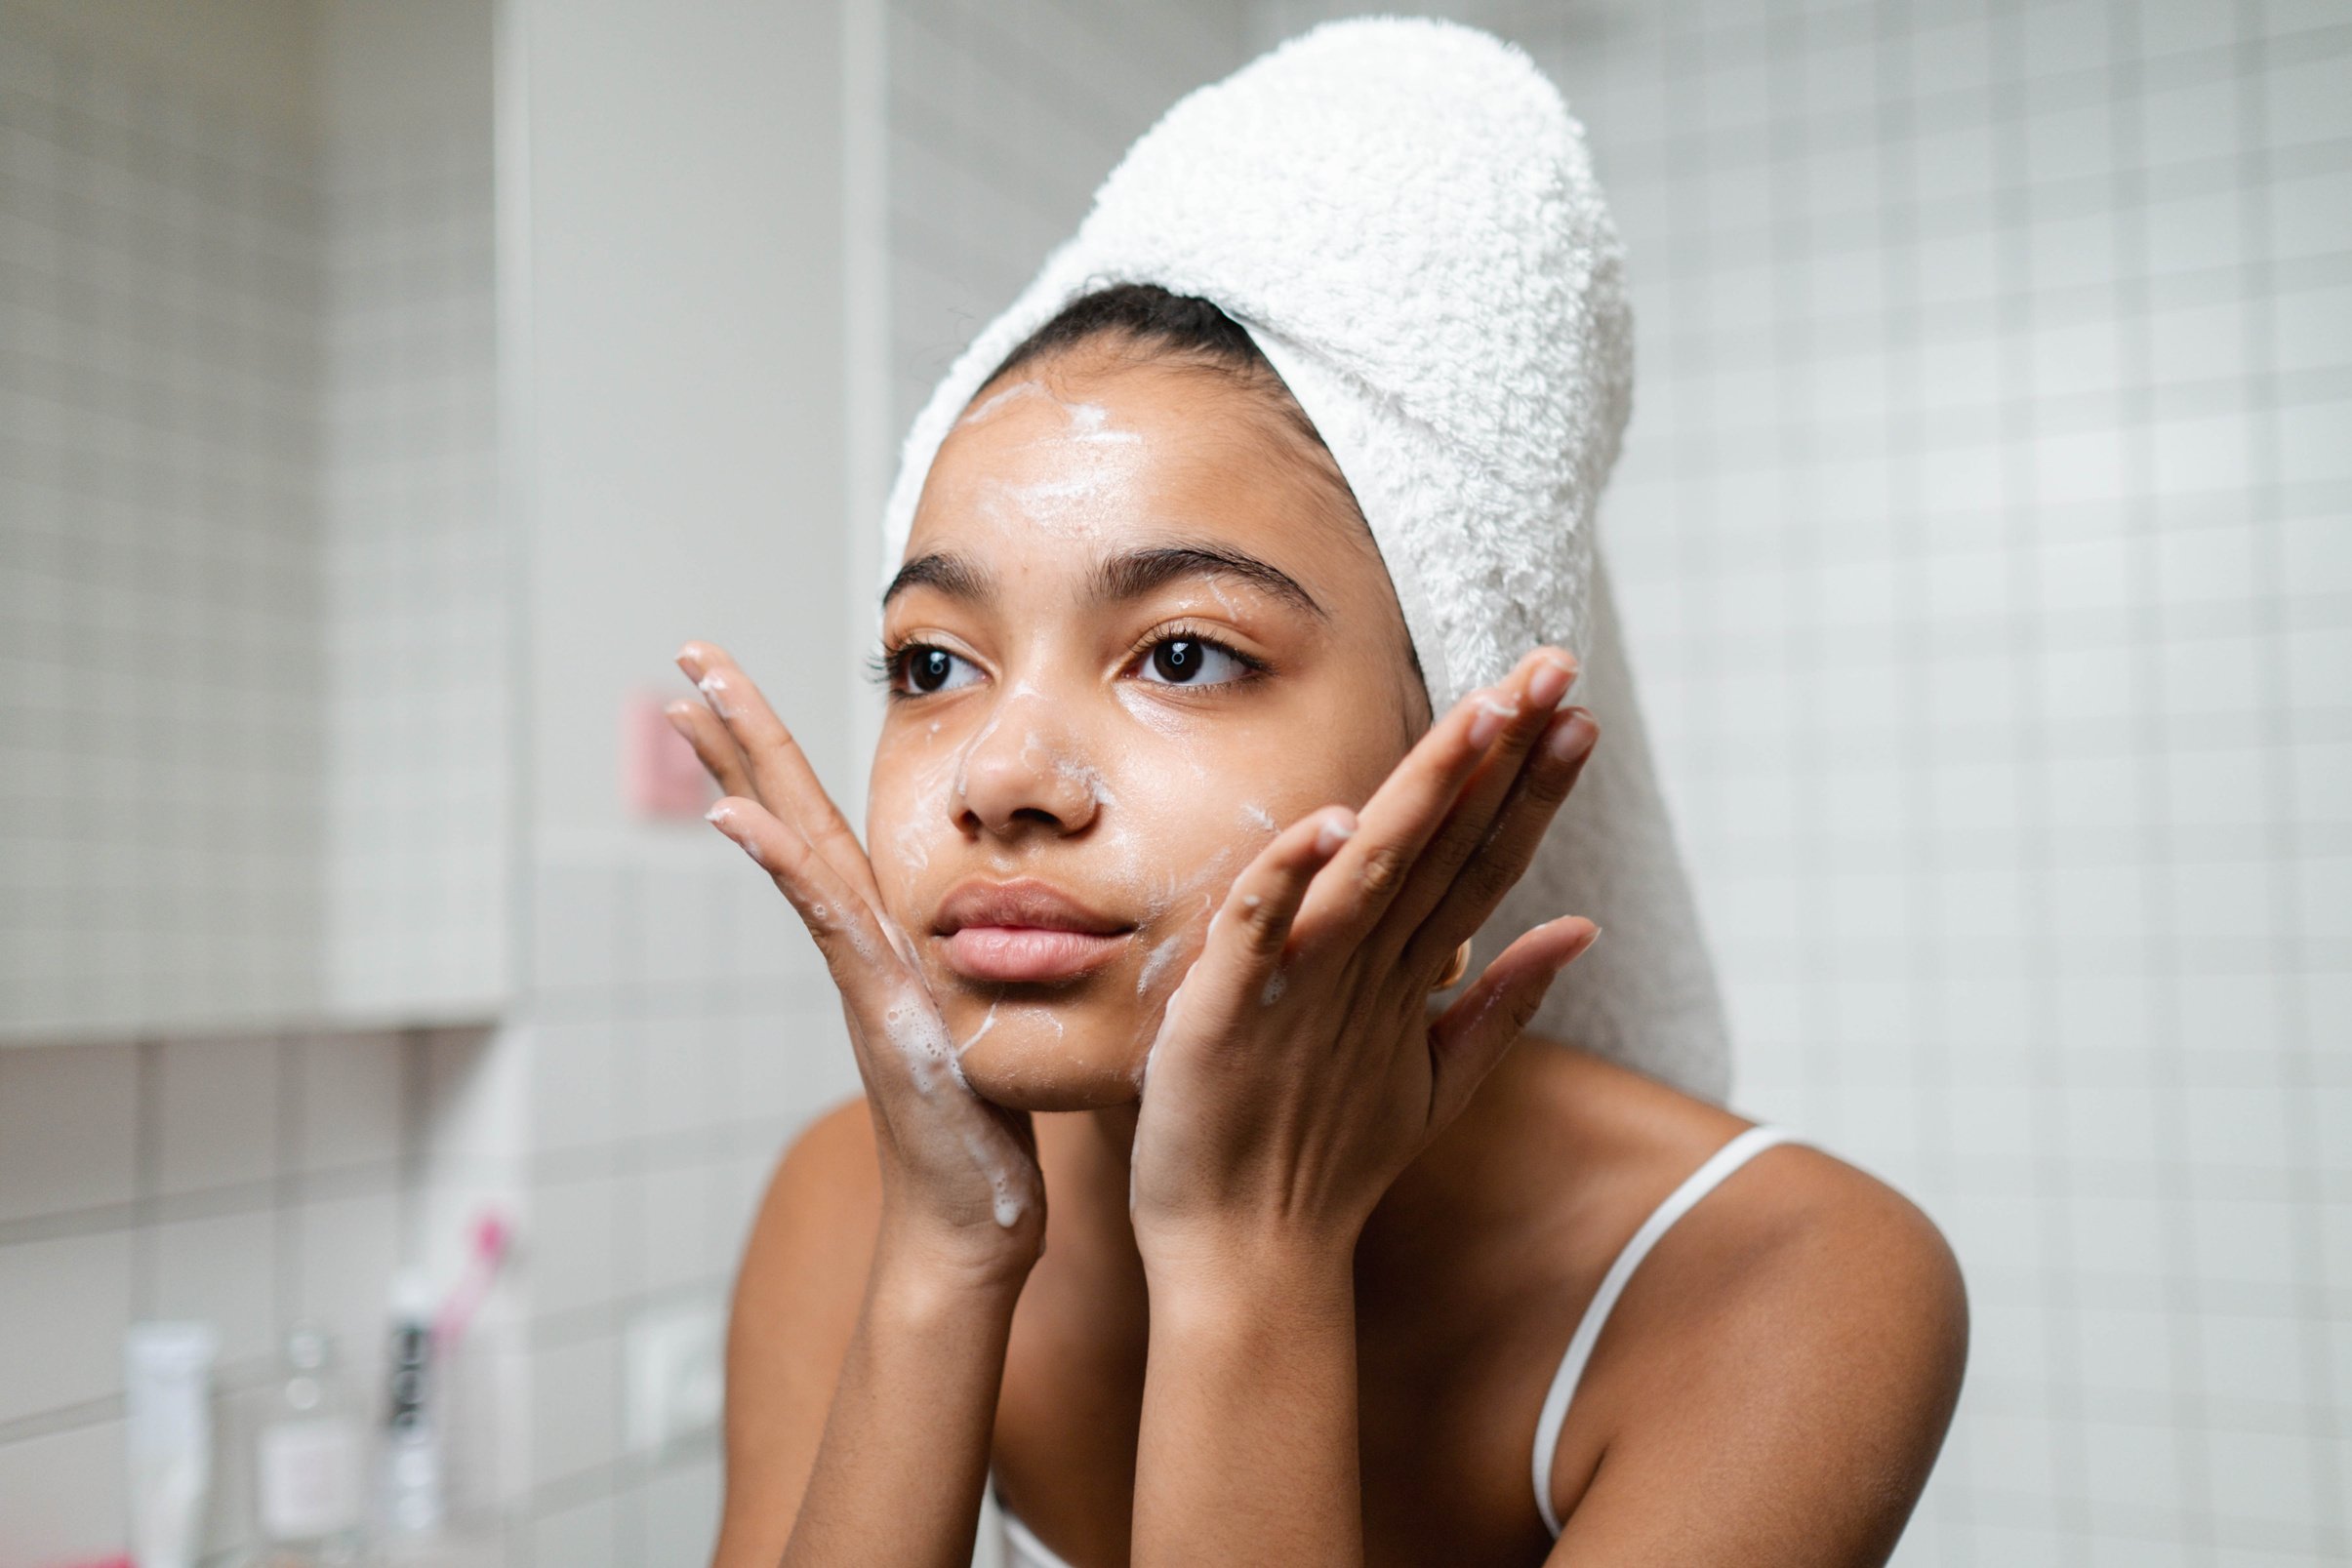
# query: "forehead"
{"points": [[1070, 460]]}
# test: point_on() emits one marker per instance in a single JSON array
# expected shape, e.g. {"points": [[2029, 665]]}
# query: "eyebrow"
{"points": [[1129, 574]]}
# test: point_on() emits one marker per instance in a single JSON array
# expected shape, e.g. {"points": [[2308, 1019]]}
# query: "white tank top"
{"points": [[1023, 1549]]}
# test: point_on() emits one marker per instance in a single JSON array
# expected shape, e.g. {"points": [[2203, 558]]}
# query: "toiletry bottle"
{"points": [[311, 1463], [167, 1384], [412, 1438]]}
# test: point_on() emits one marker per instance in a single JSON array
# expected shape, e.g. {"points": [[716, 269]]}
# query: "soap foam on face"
{"points": [[1088, 471], [1090, 467]]}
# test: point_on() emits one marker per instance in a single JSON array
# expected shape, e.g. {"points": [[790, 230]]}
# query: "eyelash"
{"points": [[887, 666]]}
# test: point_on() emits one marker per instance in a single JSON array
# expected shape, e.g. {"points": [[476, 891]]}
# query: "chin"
{"points": [[1040, 1056]]}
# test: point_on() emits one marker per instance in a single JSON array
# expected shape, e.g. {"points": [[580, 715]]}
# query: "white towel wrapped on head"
{"points": [[1401, 213]]}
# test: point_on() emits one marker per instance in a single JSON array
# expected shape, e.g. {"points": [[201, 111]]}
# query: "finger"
{"points": [[1251, 928], [1470, 1036], [712, 747], [1404, 813], [786, 783], [1511, 842], [1532, 693], [859, 953]]}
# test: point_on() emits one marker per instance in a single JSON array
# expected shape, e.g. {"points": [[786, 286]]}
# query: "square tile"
{"points": [[223, 1271], [219, 1105], [68, 1128], [352, 1095], [66, 1304]]}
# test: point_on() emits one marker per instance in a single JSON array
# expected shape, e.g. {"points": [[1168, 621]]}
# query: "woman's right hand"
{"points": [[961, 1184]]}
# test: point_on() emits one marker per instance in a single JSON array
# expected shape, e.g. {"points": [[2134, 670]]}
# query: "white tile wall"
{"points": [[159, 688], [682, 476], [254, 1181], [256, 602], [420, 592], [1003, 120], [680, 1033], [1984, 534], [252, 637]]}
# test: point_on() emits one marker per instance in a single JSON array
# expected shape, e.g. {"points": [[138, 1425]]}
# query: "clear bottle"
{"points": [[311, 1463]]}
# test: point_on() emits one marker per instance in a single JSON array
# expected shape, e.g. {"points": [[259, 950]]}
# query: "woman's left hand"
{"points": [[1296, 1071]]}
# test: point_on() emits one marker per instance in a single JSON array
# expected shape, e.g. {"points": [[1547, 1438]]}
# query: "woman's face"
{"points": [[1137, 631]]}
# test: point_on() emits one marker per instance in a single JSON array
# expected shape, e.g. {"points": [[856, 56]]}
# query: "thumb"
{"points": [[1470, 1037]]}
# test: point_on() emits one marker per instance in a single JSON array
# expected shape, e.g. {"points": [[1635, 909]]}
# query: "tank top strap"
{"points": [[1696, 1186]]}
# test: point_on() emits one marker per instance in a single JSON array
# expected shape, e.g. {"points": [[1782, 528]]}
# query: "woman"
{"points": [[1171, 837]]}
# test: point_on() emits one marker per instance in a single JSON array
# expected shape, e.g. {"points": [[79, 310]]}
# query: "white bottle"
{"points": [[311, 1463], [167, 1377]]}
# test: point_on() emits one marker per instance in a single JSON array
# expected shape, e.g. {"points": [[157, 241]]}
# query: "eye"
{"points": [[921, 668], [1188, 660]]}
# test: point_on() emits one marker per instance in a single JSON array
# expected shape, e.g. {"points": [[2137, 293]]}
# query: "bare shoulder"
{"points": [[1795, 1228], [1811, 1323], [1817, 1284], [827, 1165], [795, 1307]]}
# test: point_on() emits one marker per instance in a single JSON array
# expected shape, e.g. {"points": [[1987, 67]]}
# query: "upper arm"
{"points": [[795, 1307], [1794, 1413]]}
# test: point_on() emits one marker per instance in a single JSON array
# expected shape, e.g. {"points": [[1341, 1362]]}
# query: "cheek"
{"points": [[1178, 825], [1188, 822], [906, 813]]}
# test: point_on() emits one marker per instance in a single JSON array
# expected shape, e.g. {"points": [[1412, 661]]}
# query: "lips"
{"points": [[1025, 930]]}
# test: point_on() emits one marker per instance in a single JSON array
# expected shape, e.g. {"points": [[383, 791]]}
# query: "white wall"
{"points": [[246, 306], [256, 758], [674, 175], [1984, 536], [160, 689], [252, 1182], [420, 592]]}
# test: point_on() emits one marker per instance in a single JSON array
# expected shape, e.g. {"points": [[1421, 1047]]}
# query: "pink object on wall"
{"points": [[660, 774]]}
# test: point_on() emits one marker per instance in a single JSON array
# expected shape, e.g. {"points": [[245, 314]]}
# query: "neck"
{"points": [[1084, 1155], [1091, 1262]]}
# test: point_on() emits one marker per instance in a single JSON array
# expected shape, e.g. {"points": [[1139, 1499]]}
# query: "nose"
{"points": [[1022, 770]]}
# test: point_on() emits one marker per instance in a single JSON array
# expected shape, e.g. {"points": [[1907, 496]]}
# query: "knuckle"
{"points": [[1383, 868], [1547, 786], [1264, 927]]}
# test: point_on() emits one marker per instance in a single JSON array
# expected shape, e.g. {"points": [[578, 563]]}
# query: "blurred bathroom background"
{"points": [[388, 386]]}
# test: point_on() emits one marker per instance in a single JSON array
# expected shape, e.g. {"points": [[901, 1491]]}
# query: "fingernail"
{"points": [[1492, 717], [1331, 835], [1571, 736], [689, 657], [723, 815], [1548, 684]]}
